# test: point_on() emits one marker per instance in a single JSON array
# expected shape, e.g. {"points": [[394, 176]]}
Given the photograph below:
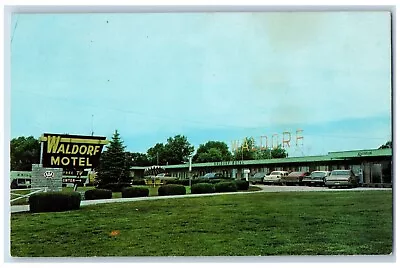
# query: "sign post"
{"points": [[190, 171]]}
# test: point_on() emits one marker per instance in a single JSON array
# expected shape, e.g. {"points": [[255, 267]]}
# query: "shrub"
{"points": [[171, 189], [54, 201], [98, 194], [242, 185], [135, 192], [201, 188], [184, 182], [196, 181], [225, 187], [172, 181], [115, 187], [138, 182]]}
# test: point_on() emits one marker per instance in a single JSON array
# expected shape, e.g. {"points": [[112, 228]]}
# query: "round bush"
{"points": [[171, 189], [135, 192], [196, 181], [225, 187], [178, 181], [138, 182], [115, 187], [98, 194], [242, 184], [201, 188], [54, 201]]}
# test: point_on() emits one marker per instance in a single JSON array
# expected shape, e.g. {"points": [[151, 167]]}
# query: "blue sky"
{"points": [[208, 76]]}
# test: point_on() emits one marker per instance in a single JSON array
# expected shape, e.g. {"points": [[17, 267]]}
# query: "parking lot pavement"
{"points": [[275, 188], [265, 188]]}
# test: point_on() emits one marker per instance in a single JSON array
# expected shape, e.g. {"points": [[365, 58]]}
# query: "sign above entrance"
{"points": [[71, 152]]}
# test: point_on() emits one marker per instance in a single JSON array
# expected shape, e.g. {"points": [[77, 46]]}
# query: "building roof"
{"points": [[331, 156]]}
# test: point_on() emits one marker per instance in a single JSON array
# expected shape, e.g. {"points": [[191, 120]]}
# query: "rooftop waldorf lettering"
{"points": [[263, 143]]}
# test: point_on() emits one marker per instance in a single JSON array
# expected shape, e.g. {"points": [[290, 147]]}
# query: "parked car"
{"points": [[212, 175], [275, 177], [339, 178], [257, 177], [316, 178], [295, 178], [163, 175]]}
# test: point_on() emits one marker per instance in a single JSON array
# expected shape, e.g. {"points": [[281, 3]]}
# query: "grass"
{"points": [[153, 191], [286, 223]]}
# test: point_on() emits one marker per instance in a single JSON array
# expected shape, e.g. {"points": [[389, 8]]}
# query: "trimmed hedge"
{"points": [[242, 184], [115, 187], [98, 194], [201, 188], [185, 182], [171, 189], [225, 187], [54, 201], [138, 182], [134, 192]]}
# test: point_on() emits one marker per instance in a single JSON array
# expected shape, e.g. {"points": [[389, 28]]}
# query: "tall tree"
{"points": [[138, 159], [24, 151], [212, 151], [279, 152], [178, 149], [113, 166], [262, 153], [157, 155], [246, 151]]}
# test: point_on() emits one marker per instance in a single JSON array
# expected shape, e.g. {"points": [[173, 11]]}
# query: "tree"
{"points": [[246, 151], [113, 166], [178, 150], [138, 159], [279, 152], [262, 153], [24, 151], [212, 151], [386, 145], [157, 155]]}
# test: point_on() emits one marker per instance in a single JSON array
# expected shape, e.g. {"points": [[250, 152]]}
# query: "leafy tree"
{"points": [[24, 151], [138, 159], [178, 150], [212, 151], [264, 153], [113, 166], [157, 154], [246, 151], [279, 152], [386, 145]]}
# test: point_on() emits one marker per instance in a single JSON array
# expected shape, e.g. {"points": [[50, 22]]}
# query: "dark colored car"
{"points": [[257, 177], [340, 178], [316, 178], [294, 178], [212, 175]]}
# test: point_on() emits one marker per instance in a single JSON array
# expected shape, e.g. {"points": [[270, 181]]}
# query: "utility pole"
{"points": [[157, 158]]}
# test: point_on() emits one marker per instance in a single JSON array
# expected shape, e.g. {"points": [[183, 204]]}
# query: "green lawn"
{"points": [[153, 191], [290, 223]]}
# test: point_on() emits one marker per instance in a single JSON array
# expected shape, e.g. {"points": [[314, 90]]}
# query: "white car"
{"points": [[275, 177]]}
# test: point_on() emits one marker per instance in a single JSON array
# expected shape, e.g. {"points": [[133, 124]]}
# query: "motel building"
{"points": [[375, 165]]}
